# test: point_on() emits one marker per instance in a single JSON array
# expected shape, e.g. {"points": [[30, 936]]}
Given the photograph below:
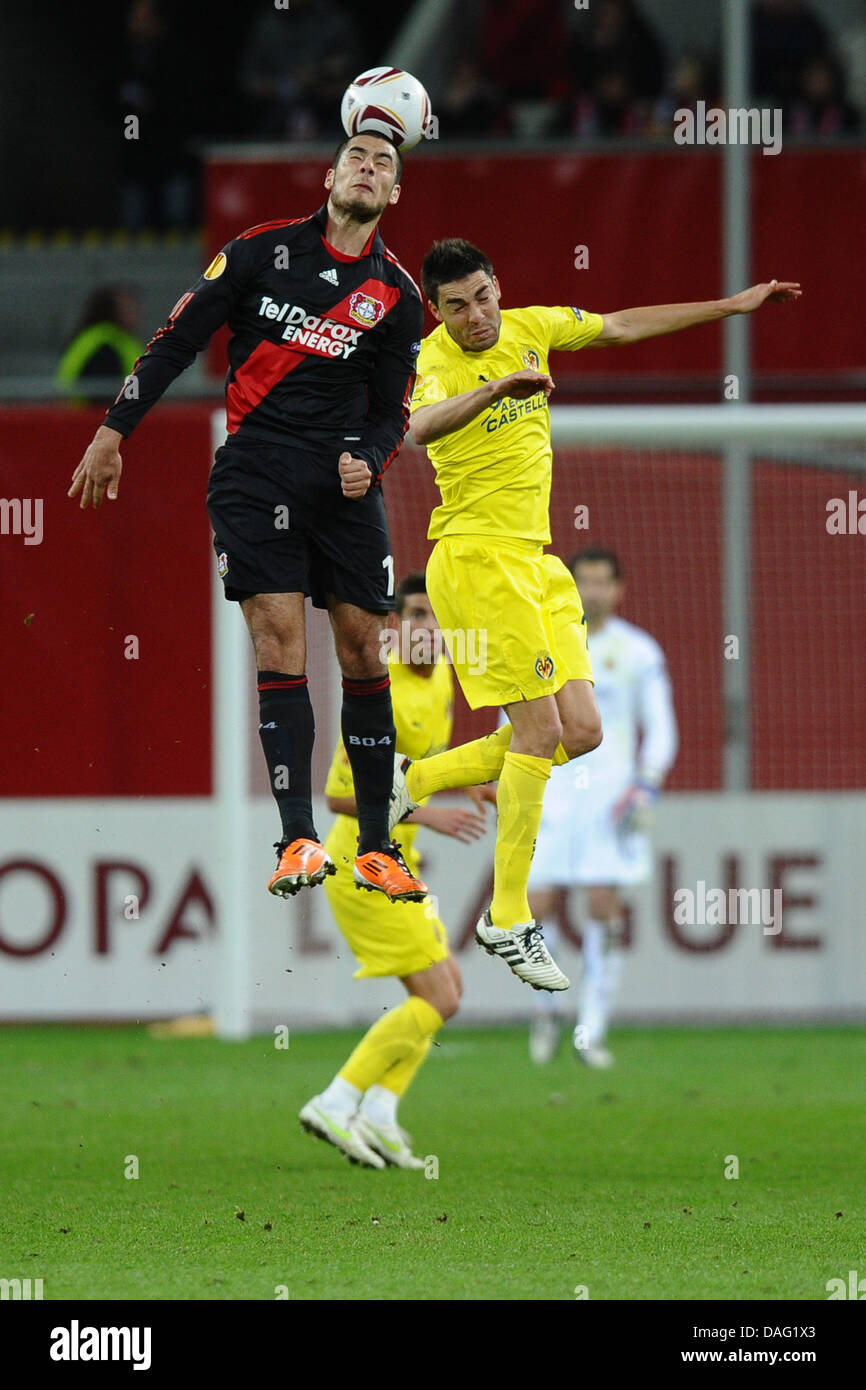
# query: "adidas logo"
{"points": [[330, 276]]}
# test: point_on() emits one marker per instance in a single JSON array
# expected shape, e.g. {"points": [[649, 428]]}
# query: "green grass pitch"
{"points": [[550, 1179]]}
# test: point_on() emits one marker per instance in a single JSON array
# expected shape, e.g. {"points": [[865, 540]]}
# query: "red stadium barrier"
{"points": [[651, 223], [83, 718]]}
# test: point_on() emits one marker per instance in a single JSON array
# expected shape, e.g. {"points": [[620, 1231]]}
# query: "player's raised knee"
{"points": [[582, 738], [447, 1004], [592, 735], [446, 1000], [537, 728]]}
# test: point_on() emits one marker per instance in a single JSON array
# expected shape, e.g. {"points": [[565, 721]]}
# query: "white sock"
{"points": [[380, 1106], [341, 1097], [613, 962], [591, 1017], [546, 1002], [602, 974]]}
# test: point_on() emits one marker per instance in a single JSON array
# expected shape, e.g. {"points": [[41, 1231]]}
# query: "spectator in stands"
{"points": [[158, 174], [296, 64], [694, 78], [822, 107], [613, 36], [786, 36], [523, 47], [104, 346], [609, 107], [523, 54], [852, 43], [472, 108], [617, 69]]}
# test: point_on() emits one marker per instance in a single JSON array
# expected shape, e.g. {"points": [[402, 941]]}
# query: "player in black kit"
{"points": [[326, 328]]}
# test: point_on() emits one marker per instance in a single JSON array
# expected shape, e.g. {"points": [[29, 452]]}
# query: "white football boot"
{"points": [[523, 951], [401, 804], [594, 1055], [340, 1132], [389, 1142]]}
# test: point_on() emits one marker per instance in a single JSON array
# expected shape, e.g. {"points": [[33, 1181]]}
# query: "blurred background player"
{"points": [[595, 816], [358, 1111]]}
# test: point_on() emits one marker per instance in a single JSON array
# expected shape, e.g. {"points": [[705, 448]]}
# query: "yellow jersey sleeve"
{"points": [[566, 327], [340, 781], [430, 386]]}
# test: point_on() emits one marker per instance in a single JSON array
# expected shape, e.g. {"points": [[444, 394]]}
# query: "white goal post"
{"points": [[733, 431], [710, 426]]}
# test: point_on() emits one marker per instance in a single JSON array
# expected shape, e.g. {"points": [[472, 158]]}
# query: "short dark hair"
{"points": [[412, 584], [350, 139], [593, 554], [451, 259]]}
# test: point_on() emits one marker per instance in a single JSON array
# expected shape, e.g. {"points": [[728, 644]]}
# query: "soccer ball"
{"points": [[389, 102]]}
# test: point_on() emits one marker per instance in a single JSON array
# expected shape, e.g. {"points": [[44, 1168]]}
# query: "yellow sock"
{"points": [[395, 1036], [399, 1077], [518, 805], [463, 766]]}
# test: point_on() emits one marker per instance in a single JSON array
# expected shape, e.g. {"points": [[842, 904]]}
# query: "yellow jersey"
{"points": [[423, 718], [494, 474]]}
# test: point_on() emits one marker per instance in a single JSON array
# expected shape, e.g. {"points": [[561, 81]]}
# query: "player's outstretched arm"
{"points": [[100, 468], [431, 422], [654, 320]]}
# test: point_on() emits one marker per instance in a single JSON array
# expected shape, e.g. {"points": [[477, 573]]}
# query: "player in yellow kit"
{"points": [[480, 405], [358, 1111]]}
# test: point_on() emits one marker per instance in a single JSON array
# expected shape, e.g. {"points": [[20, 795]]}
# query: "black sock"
{"points": [[370, 738], [287, 730]]}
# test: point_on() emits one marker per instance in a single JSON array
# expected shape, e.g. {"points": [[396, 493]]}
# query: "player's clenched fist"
{"points": [[99, 471], [520, 385], [355, 475]]}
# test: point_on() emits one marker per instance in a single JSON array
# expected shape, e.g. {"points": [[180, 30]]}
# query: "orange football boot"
{"points": [[385, 871], [303, 864]]}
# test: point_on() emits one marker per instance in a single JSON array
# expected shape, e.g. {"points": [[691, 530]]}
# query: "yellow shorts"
{"points": [[387, 938], [511, 617]]}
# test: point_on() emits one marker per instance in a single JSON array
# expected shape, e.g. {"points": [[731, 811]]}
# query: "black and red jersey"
{"points": [[323, 345]]}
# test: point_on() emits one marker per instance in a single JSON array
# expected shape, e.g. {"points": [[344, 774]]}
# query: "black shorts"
{"points": [[282, 526]]}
